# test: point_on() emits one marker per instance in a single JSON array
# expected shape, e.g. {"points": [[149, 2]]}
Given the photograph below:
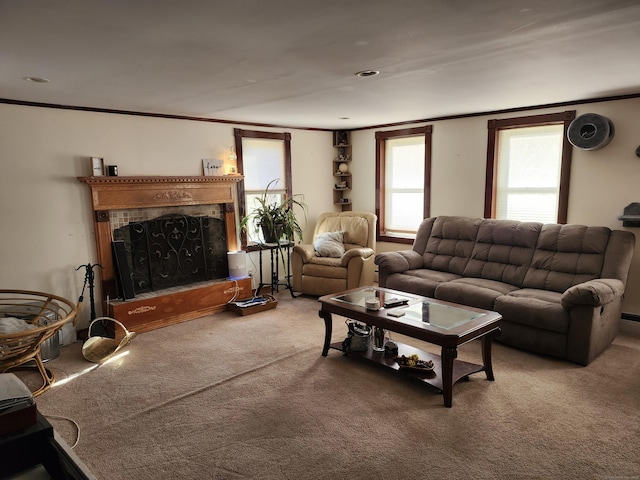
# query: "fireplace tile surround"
{"points": [[116, 201], [123, 217]]}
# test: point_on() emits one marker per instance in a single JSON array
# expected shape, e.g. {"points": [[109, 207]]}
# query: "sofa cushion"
{"points": [[450, 244], [475, 292], [567, 255], [324, 267], [535, 308], [421, 281], [503, 250]]}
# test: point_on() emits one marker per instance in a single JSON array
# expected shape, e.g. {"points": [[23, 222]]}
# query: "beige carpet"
{"points": [[234, 397]]}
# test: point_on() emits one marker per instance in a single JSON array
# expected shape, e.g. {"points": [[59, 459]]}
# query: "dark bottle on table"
{"points": [[378, 339]]}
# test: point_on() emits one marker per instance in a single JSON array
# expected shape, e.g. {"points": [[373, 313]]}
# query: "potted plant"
{"points": [[274, 215]]}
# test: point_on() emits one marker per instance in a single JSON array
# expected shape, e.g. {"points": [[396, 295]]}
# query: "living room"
{"points": [[46, 145], [50, 210]]}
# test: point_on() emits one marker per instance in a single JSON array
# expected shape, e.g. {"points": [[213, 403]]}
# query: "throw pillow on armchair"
{"points": [[329, 244]]}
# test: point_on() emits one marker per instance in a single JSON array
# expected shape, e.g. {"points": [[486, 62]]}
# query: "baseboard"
{"points": [[630, 323]]}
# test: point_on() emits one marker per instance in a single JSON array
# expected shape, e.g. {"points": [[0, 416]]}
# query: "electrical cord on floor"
{"points": [[59, 417], [236, 291], [255, 269]]}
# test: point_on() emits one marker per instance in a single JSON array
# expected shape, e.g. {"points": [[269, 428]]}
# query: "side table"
{"points": [[279, 253]]}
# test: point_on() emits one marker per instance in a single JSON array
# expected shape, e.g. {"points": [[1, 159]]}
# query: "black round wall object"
{"points": [[590, 131]]}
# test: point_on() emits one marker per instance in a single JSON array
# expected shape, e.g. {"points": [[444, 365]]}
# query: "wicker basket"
{"points": [[100, 349]]}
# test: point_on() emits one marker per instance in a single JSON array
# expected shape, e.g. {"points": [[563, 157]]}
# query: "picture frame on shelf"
{"points": [[97, 167], [212, 167]]}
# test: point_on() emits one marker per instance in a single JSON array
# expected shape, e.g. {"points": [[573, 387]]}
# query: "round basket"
{"points": [[99, 349]]}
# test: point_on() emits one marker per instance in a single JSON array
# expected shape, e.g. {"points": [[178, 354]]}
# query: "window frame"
{"points": [[239, 134], [381, 138], [495, 125]]}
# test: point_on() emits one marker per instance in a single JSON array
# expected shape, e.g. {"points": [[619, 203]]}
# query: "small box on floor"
{"points": [[253, 305]]}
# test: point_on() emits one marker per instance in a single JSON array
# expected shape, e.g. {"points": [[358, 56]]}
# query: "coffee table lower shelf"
{"points": [[461, 369]]}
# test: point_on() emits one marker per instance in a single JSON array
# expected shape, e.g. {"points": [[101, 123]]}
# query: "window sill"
{"points": [[395, 239]]}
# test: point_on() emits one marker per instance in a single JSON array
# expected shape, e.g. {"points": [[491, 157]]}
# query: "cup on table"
{"points": [[372, 303]]}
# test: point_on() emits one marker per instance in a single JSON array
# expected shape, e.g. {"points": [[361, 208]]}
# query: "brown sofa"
{"points": [[559, 288]]}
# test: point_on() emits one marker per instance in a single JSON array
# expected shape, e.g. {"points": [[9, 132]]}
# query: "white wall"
{"points": [[603, 181], [47, 227]]}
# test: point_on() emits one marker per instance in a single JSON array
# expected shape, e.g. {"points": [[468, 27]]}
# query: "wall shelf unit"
{"points": [[631, 215], [341, 170]]}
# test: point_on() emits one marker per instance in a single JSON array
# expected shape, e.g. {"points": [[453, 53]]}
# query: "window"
{"points": [[262, 158], [528, 168], [403, 177]]}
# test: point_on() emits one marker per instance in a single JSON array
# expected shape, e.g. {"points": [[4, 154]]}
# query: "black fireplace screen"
{"points": [[174, 250]]}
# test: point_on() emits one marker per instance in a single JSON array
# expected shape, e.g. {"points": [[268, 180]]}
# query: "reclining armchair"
{"points": [[341, 256]]}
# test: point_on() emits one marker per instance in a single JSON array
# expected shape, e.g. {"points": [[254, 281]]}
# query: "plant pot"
{"points": [[271, 235]]}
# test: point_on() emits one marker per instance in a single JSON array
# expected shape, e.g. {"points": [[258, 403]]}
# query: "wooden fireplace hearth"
{"points": [[159, 309]]}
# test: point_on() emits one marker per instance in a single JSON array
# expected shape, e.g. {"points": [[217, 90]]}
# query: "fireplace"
{"points": [[171, 251], [125, 206]]}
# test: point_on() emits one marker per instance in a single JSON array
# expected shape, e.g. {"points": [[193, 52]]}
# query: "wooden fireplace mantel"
{"points": [[113, 193], [117, 193]]}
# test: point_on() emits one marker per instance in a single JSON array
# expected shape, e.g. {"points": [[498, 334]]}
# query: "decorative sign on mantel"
{"points": [[97, 166], [212, 167]]}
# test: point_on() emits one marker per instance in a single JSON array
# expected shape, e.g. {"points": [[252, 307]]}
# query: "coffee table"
{"points": [[446, 324]]}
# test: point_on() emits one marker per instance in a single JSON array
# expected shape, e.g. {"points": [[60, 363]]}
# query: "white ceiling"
{"points": [[292, 62]]}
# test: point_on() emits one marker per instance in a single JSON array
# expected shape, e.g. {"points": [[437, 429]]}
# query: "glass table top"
{"points": [[358, 298], [424, 312], [437, 315]]}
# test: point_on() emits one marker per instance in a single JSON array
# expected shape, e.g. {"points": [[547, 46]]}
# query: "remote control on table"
{"points": [[394, 302]]}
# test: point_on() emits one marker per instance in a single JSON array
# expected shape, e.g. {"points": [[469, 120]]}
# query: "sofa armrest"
{"points": [[306, 252], [595, 293], [401, 261], [360, 252]]}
